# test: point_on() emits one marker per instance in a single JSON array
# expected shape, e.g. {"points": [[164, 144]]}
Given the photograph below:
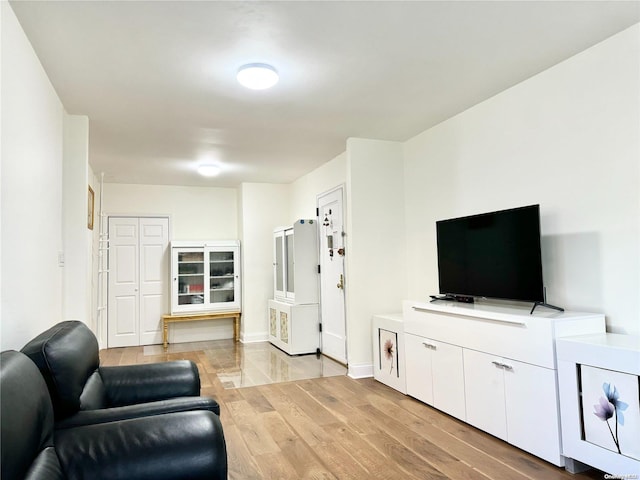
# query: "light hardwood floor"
{"points": [[334, 427]]}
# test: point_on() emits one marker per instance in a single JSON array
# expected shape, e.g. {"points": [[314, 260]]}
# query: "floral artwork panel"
{"points": [[284, 327], [388, 352], [611, 410], [272, 322]]}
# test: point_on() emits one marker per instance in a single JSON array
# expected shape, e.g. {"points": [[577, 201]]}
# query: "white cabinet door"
{"points": [[435, 374], [484, 392], [289, 278], [188, 266], [532, 414], [418, 368], [284, 325], [447, 371], [272, 313], [279, 264], [224, 278]]}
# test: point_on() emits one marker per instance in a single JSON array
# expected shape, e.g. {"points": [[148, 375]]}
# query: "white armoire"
{"points": [[293, 313]]}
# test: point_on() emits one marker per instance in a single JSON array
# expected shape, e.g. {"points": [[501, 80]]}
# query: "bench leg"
{"points": [[236, 327], [165, 334]]}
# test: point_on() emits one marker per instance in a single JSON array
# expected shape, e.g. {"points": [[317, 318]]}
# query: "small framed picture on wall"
{"points": [[90, 205]]}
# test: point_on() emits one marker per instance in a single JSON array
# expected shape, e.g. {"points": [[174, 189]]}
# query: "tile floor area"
{"points": [[246, 365]]}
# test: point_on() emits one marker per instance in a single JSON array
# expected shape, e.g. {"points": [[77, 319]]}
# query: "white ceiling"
{"points": [[157, 79]]}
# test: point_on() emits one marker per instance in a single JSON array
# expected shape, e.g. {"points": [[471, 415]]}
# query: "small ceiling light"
{"points": [[257, 76], [208, 170]]}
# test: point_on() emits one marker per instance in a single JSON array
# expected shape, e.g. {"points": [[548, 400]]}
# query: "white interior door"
{"points": [[123, 299], [154, 275], [332, 278], [138, 280]]}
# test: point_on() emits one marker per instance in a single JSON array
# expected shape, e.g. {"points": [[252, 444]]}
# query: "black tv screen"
{"points": [[493, 255]]}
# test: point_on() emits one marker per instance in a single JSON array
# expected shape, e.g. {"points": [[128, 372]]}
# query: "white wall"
{"points": [[566, 139], [77, 236], [97, 298], [32, 162], [305, 190], [263, 207], [375, 260], [195, 213]]}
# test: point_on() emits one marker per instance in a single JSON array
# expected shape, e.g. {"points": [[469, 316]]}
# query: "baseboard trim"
{"points": [[363, 370], [254, 337]]}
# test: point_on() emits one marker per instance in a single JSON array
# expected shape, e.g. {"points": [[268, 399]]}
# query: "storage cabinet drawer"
{"points": [[521, 338]]}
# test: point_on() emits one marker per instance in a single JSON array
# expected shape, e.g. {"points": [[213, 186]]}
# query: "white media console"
{"points": [[492, 366]]}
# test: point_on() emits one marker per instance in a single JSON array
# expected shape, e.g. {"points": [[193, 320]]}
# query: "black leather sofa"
{"points": [[84, 393], [182, 445]]}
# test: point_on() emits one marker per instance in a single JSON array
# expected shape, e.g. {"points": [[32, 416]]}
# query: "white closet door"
{"points": [[123, 304], [138, 280], [154, 274]]}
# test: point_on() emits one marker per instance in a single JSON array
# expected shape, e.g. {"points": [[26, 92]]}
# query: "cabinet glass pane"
{"points": [[290, 279], [279, 263], [190, 299], [221, 256], [221, 277], [190, 278]]}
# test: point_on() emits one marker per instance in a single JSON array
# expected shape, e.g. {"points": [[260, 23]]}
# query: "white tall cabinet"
{"points": [[293, 313], [205, 276], [492, 366]]}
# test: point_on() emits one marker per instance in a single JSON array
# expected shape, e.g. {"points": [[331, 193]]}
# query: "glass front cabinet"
{"points": [[205, 276], [293, 314]]}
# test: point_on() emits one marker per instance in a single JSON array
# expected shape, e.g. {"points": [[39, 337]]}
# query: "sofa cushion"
{"points": [[66, 355], [173, 446], [27, 421], [46, 466]]}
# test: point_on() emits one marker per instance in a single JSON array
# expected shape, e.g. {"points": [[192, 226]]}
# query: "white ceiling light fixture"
{"points": [[209, 170], [257, 76]]}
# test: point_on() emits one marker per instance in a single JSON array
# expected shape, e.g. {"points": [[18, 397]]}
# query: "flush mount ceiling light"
{"points": [[208, 170], [257, 76]]}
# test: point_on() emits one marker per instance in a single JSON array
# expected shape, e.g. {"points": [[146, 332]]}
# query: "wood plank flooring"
{"points": [[339, 428]]}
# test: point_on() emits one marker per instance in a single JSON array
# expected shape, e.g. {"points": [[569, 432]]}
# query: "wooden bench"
{"points": [[195, 317]]}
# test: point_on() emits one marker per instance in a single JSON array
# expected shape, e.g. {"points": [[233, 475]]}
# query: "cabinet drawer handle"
{"points": [[429, 345], [502, 365]]}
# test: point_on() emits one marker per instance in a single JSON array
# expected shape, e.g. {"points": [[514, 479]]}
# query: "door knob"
{"points": [[341, 282]]}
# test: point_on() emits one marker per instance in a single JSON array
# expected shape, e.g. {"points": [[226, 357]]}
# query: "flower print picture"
{"points": [[388, 351], [611, 410], [610, 407]]}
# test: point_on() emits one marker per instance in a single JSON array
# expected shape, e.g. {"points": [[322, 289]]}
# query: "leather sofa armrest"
{"points": [[187, 445], [173, 405], [131, 384]]}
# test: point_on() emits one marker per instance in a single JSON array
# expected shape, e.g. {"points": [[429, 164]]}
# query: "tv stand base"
{"points": [[543, 304], [452, 298]]}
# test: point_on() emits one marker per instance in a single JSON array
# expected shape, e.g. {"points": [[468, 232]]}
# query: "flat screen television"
{"points": [[493, 255]]}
